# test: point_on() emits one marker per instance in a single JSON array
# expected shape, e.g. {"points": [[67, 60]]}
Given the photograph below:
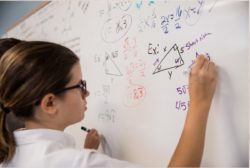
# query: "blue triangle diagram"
{"points": [[110, 67], [171, 60]]}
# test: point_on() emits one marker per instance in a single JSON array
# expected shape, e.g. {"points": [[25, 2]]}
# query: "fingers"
{"points": [[202, 63], [212, 67], [202, 81], [212, 71], [203, 67], [205, 64], [93, 132], [199, 62], [92, 139]]}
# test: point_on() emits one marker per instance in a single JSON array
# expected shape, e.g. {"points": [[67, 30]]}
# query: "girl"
{"points": [[42, 84]]}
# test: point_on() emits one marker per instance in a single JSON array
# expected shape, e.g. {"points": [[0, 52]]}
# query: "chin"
{"points": [[78, 120]]}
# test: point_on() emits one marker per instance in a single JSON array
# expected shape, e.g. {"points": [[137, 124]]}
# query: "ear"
{"points": [[48, 104]]}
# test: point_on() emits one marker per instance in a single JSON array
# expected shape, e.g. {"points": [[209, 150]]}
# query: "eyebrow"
{"points": [[78, 83]]}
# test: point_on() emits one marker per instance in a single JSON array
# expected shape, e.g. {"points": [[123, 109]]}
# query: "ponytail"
{"points": [[7, 141]]}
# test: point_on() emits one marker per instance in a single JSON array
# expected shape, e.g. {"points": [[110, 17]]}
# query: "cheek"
{"points": [[74, 103], [76, 110], [78, 103]]}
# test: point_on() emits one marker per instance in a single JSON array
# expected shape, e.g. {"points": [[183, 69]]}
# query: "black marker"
{"points": [[85, 129]]}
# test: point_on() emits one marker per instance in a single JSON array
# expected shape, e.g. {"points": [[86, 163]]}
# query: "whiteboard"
{"points": [[136, 56]]}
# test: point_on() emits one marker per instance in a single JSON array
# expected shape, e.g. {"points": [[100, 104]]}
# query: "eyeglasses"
{"points": [[82, 86]]}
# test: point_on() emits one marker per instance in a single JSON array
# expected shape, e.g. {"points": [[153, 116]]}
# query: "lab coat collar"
{"points": [[28, 136]]}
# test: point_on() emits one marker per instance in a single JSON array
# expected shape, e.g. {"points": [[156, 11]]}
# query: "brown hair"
{"points": [[12, 122], [28, 71], [7, 43]]}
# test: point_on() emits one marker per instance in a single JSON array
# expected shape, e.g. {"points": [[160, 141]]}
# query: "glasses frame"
{"points": [[82, 86]]}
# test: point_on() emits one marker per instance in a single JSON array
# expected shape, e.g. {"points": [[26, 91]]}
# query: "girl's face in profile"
{"points": [[73, 104]]}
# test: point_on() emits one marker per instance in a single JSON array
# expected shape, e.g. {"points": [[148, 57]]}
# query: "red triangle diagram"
{"points": [[110, 67], [171, 60]]}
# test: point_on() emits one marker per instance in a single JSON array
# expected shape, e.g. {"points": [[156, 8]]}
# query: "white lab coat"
{"points": [[47, 148]]}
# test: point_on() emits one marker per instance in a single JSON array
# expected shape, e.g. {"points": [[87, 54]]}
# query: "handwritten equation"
{"points": [[188, 15]]}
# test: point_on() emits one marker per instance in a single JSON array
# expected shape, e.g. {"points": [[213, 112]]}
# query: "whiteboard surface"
{"points": [[136, 56]]}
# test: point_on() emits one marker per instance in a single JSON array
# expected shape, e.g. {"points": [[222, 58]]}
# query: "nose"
{"points": [[85, 94]]}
